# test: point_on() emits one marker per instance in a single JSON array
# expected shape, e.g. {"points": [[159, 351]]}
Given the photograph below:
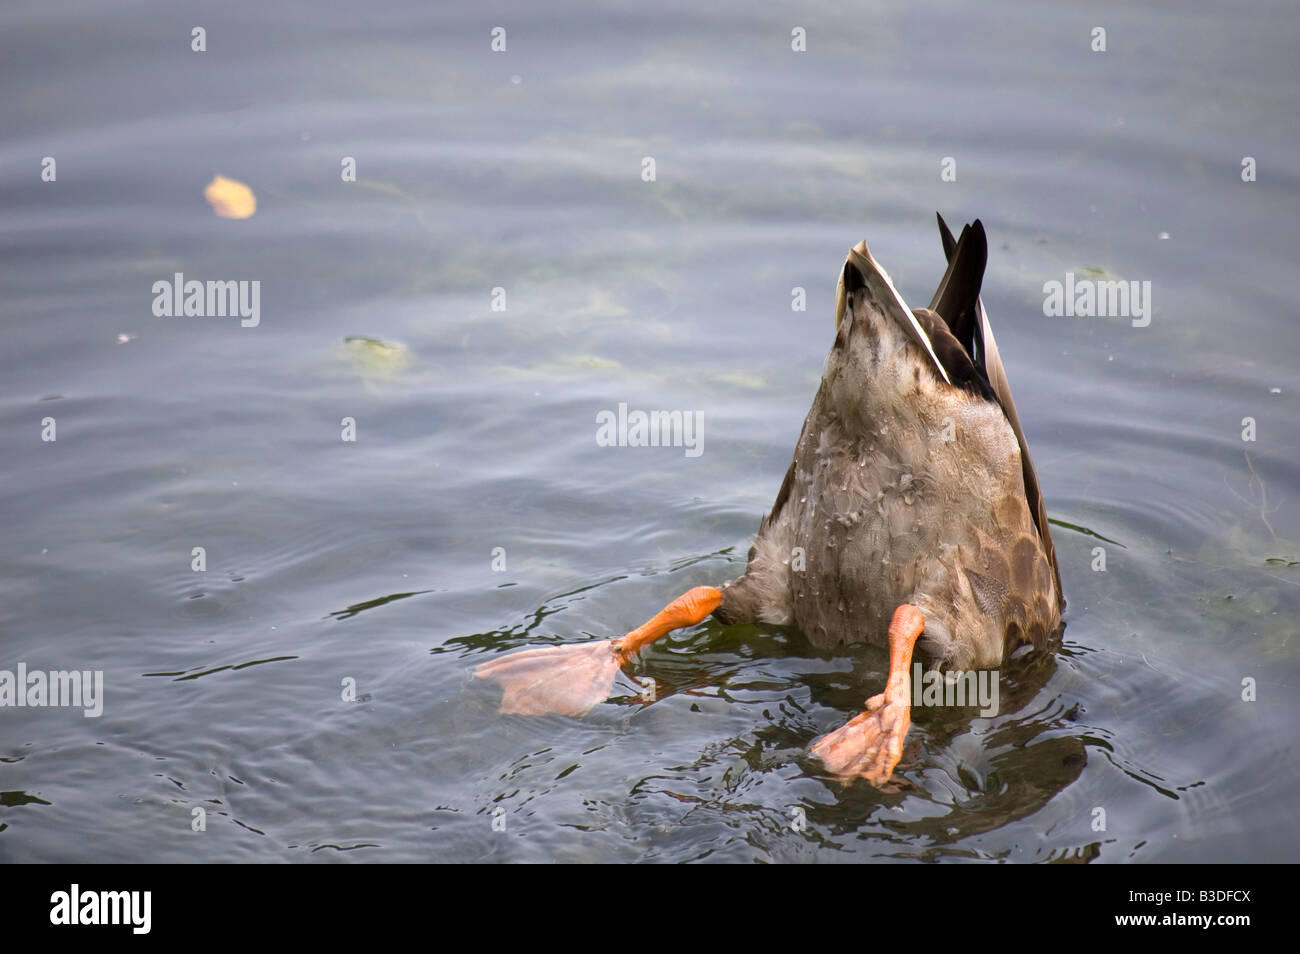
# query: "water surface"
{"points": [[372, 560]]}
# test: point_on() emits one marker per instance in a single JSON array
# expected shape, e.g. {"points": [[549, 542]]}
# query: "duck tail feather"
{"points": [[959, 290]]}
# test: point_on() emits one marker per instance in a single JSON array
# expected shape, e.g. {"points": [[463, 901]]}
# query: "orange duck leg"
{"points": [[871, 744], [570, 680]]}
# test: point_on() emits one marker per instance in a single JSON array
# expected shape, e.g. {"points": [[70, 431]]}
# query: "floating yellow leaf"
{"points": [[376, 358], [230, 199]]}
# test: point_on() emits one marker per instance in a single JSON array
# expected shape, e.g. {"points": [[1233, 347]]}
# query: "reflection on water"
{"points": [[352, 585]]}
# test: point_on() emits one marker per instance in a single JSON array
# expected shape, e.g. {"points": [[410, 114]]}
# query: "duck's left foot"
{"points": [[571, 680], [567, 680], [871, 744]]}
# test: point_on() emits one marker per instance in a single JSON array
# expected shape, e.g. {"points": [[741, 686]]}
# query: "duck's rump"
{"points": [[894, 516], [868, 520]]}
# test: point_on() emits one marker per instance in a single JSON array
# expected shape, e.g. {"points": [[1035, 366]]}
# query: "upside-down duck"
{"points": [[910, 517]]}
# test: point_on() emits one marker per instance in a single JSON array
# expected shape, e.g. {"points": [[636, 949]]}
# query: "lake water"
{"points": [[373, 560]]}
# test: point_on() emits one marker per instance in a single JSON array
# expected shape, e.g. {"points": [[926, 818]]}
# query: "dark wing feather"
{"points": [[984, 352], [950, 321], [956, 360], [958, 293]]}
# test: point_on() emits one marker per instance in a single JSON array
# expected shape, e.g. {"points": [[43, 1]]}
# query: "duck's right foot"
{"points": [[870, 745]]}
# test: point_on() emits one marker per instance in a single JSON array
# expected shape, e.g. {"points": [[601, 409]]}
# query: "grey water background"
{"points": [[372, 560]]}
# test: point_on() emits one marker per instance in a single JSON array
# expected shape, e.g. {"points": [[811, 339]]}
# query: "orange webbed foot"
{"points": [[566, 680], [571, 680], [870, 745]]}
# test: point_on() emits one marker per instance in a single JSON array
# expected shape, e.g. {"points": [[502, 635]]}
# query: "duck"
{"points": [[910, 517]]}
